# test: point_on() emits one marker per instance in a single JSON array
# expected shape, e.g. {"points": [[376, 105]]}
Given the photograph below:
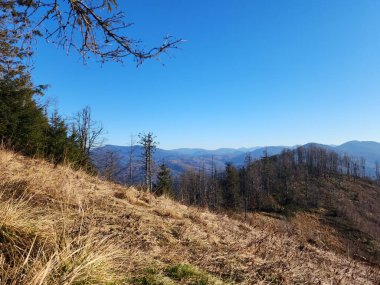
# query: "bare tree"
{"points": [[87, 132], [111, 166], [247, 182], [213, 186], [131, 159], [91, 27], [149, 144], [362, 167]]}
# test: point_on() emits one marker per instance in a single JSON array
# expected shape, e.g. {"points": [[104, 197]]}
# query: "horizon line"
{"points": [[252, 147]]}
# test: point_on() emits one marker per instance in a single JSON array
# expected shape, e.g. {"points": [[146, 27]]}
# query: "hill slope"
{"points": [[58, 226]]}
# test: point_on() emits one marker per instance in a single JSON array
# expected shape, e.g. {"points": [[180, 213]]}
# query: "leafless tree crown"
{"points": [[92, 27]]}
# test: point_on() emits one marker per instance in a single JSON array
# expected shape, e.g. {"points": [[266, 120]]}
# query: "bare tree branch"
{"points": [[92, 27]]}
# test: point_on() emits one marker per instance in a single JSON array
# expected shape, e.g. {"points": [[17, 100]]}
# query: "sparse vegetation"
{"points": [[307, 179], [187, 272], [182, 271], [65, 226]]}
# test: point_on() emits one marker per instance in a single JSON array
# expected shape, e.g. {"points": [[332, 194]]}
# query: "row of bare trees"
{"points": [[269, 183]]}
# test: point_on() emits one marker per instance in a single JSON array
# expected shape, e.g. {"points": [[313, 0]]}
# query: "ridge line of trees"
{"points": [[268, 183]]}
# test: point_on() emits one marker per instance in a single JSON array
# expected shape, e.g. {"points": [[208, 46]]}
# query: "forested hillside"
{"points": [[60, 226], [27, 125], [333, 188], [305, 180]]}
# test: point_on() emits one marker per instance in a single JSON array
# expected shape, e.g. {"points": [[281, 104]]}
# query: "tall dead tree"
{"points": [[377, 170], [246, 182], [149, 144], [131, 159], [213, 186]]}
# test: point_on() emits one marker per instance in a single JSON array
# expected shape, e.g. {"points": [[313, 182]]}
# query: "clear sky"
{"points": [[252, 73]]}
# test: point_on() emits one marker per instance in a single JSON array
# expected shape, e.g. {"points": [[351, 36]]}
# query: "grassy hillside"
{"points": [[351, 208], [58, 226]]}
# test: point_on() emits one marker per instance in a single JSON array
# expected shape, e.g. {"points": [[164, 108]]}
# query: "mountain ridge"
{"points": [[182, 159]]}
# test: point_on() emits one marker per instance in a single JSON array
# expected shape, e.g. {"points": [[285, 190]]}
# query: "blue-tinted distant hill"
{"points": [[369, 150], [179, 160]]}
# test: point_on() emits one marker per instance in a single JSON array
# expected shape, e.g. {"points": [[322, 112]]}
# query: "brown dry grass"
{"points": [[59, 226]]}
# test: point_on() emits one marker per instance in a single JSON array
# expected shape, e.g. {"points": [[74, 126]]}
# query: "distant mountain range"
{"points": [[179, 160]]}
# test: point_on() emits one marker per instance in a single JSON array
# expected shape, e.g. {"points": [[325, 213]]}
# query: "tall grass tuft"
{"points": [[47, 251]]}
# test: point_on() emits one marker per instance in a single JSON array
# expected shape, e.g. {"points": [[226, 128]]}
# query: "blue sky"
{"points": [[252, 73]]}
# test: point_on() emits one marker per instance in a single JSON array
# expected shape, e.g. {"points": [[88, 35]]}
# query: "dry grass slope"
{"points": [[59, 226]]}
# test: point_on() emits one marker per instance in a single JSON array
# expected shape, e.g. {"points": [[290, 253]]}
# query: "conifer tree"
{"points": [[164, 181], [22, 122], [57, 139]]}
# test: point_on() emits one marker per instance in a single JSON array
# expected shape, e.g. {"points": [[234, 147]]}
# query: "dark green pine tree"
{"points": [[23, 124], [164, 181], [57, 148]]}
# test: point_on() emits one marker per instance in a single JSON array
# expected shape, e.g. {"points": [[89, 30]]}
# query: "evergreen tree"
{"points": [[164, 181], [23, 124], [57, 139], [73, 153]]}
